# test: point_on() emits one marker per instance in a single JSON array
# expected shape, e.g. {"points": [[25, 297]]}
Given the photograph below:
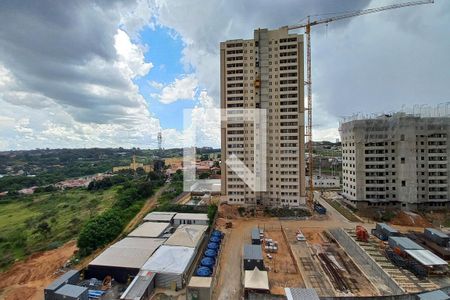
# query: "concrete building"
{"points": [[396, 161], [253, 257], [190, 218], [265, 72]]}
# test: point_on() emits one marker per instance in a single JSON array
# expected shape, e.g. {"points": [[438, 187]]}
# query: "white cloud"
{"points": [[156, 85], [183, 88], [130, 57]]}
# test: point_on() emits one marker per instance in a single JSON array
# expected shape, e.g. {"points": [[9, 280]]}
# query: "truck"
{"points": [[319, 208]]}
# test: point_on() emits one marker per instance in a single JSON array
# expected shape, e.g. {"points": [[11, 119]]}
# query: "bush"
{"points": [[212, 210]]}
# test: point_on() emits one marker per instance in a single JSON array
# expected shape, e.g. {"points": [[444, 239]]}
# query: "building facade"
{"points": [[396, 161], [265, 72]]}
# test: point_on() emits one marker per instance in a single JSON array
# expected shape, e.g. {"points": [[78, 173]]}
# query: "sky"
{"points": [[109, 73]]}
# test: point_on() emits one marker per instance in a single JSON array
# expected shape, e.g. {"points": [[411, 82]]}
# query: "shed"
{"points": [[150, 230], [160, 216], [170, 263], [434, 295], [426, 258], [253, 257], [191, 218], [301, 294], [140, 288], [72, 292], [256, 240], [256, 280], [199, 288], [71, 277], [403, 243], [437, 236], [187, 236], [123, 259]]}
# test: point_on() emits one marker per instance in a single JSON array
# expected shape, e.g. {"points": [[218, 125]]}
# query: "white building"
{"points": [[265, 72], [190, 218]]}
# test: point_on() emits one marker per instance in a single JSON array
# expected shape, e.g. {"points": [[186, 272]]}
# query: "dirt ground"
{"points": [[282, 268], [26, 280], [406, 218]]}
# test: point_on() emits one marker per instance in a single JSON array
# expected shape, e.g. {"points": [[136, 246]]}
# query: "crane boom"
{"points": [[307, 26]]}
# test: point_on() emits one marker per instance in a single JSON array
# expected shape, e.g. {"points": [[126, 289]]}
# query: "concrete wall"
{"points": [[364, 260], [395, 297]]}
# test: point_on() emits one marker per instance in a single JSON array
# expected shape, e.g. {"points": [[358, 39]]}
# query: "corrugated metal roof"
{"points": [[127, 257], [71, 290], [426, 257], [170, 260], [253, 252], [405, 243], [437, 233], [138, 286], [140, 243], [388, 228], [62, 279], [162, 216], [150, 229], [434, 295], [187, 235], [301, 294], [255, 234], [191, 216]]}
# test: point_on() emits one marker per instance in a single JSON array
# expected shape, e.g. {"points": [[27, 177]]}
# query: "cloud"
{"points": [[156, 85], [183, 88]]}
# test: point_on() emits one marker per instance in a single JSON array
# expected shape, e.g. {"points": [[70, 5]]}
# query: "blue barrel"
{"points": [[203, 272], [213, 246], [214, 239], [217, 233], [207, 262], [211, 253]]}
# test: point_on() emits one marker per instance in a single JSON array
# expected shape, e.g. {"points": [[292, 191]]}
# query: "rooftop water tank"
{"points": [[214, 239], [211, 253], [213, 246], [203, 272], [217, 233], [207, 262]]}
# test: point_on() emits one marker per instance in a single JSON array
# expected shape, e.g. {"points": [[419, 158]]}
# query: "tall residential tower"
{"points": [[265, 72]]}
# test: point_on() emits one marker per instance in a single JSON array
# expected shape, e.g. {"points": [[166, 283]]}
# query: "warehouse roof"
{"points": [[191, 216], [187, 235], [159, 216], [253, 252], [434, 295], [150, 229], [438, 233], [140, 243], [406, 243], [426, 257], [256, 280], [71, 290], [139, 286], [301, 294], [170, 259], [62, 279], [387, 227], [127, 257], [199, 282]]}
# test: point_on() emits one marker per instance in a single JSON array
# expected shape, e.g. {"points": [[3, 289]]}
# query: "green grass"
{"points": [[343, 210], [64, 211]]}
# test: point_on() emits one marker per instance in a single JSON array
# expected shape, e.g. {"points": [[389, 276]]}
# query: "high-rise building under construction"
{"points": [[265, 72]]}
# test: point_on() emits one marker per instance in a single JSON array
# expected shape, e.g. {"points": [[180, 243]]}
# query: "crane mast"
{"points": [[308, 83]]}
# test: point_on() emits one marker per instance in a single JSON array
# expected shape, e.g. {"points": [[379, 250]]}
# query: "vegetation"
{"points": [[174, 190], [212, 210], [288, 212], [342, 210], [46, 220], [107, 226]]}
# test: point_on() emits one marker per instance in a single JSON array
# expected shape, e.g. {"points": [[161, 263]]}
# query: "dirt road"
{"points": [[26, 280]]}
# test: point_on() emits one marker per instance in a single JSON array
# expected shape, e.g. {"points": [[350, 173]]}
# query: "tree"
{"points": [[44, 229]]}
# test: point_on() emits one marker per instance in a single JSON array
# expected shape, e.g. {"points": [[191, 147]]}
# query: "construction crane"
{"points": [[307, 27]]}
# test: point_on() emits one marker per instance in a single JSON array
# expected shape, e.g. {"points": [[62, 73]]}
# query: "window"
{"points": [[403, 183], [402, 160]]}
